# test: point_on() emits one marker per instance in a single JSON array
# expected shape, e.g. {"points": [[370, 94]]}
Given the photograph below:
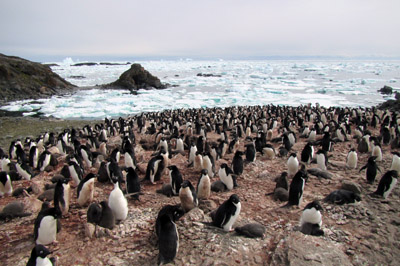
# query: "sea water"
{"points": [[230, 83]]}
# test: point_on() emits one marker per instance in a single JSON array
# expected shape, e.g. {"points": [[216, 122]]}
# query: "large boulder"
{"points": [[137, 78], [22, 79]]}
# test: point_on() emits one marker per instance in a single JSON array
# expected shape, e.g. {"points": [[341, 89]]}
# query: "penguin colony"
{"points": [[112, 157]]}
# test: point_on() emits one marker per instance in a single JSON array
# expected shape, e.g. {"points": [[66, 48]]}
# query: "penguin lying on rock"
{"points": [[13, 210]]}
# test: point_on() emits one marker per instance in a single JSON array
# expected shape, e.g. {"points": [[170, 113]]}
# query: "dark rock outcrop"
{"points": [[136, 78], [22, 79], [386, 90]]}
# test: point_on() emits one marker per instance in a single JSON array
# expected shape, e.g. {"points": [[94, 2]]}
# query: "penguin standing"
{"points": [[395, 162], [227, 213], [326, 142], [208, 163], [307, 153], [24, 170], [129, 158], [269, 151], [86, 155], [198, 162], [352, 159], [372, 169], [204, 185], [237, 163], [46, 228], [118, 203], [311, 219], [153, 168], [62, 194], [377, 152], [192, 153], [296, 188], [292, 164], [322, 159], [167, 233], [5, 184], [227, 177], [387, 183], [132, 183], [75, 172], [39, 257], [44, 160], [101, 215], [85, 190], [175, 179], [250, 152], [188, 196]]}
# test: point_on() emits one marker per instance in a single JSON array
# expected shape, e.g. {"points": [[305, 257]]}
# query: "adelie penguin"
{"points": [[322, 159], [192, 153], [101, 215], [46, 226], [132, 183], [372, 169], [227, 213], [395, 162], [5, 184], [188, 196], [307, 153], [62, 195], [311, 219], [352, 159], [292, 164], [386, 184], [24, 170], [39, 257], [117, 202], [167, 233], [227, 177], [204, 185], [250, 152], [153, 172], [296, 188], [208, 163], [175, 179], [85, 190], [237, 163], [342, 196]]}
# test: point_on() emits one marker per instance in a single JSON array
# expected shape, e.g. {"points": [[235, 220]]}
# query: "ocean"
{"points": [[218, 83]]}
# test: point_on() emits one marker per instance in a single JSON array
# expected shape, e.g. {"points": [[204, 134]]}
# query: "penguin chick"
{"points": [[342, 196], [101, 215], [188, 196], [252, 230], [227, 213]]}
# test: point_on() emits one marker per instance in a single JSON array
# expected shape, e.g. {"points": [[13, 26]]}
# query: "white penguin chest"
{"points": [[47, 230], [118, 203], [391, 187], [233, 218], [312, 216]]}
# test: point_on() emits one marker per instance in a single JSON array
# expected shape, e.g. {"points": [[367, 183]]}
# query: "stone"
{"points": [[351, 186], [89, 230]]}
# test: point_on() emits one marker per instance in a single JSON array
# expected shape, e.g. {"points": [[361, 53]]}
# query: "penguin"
{"points": [[75, 172], [200, 144], [13, 148], [281, 181], [24, 170], [395, 162], [364, 145], [312, 136], [372, 169], [307, 153], [85, 190], [286, 142], [117, 202], [5, 184], [237, 163], [342, 196], [101, 215], [204, 185], [297, 187], [311, 219], [44, 160], [103, 175], [386, 184], [250, 152], [46, 226], [152, 171], [227, 213], [198, 162], [227, 177], [129, 158], [377, 152], [33, 156], [208, 163], [86, 155], [167, 233], [175, 179], [62, 193], [292, 164], [269, 151], [12, 210], [352, 159], [163, 143], [192, 153], [188, 196], [115, 155], [180, 147], [326, 142], [5, 164], [39, 257], [322, 159], [132, 183]]}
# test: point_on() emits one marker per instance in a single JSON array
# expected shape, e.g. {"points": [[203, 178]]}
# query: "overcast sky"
{"points": [[207, 28]]}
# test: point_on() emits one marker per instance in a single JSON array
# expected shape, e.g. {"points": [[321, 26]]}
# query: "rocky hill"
{"points": [[22, 79]]}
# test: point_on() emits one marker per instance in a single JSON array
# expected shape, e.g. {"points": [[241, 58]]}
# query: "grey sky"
{"points": [[209, 28]]}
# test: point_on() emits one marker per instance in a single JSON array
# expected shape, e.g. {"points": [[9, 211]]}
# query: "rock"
{"points": [[299, 249], [90, 230], [22, 79], [136, 78], [207, 75], [386, 90], [194, 214], [85, 64], [351, 186]]}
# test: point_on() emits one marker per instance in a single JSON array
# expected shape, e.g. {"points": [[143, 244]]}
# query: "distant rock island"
{"points": [[21, 79]]}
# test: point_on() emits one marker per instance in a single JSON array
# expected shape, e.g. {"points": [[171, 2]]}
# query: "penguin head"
{"points": [[372, 159], [204, 172], [293, 155], [172, 168], [186, 183], [239, 153], [40, 251], [224, 166], [234, 199], [314, 204], [393, 173]]}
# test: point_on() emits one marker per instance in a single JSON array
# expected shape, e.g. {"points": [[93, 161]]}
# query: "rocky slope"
{"points": [[21, 79], [366, 233]]}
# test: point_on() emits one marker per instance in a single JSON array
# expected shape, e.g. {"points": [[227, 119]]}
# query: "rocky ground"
{"points": [[366, 233]]}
